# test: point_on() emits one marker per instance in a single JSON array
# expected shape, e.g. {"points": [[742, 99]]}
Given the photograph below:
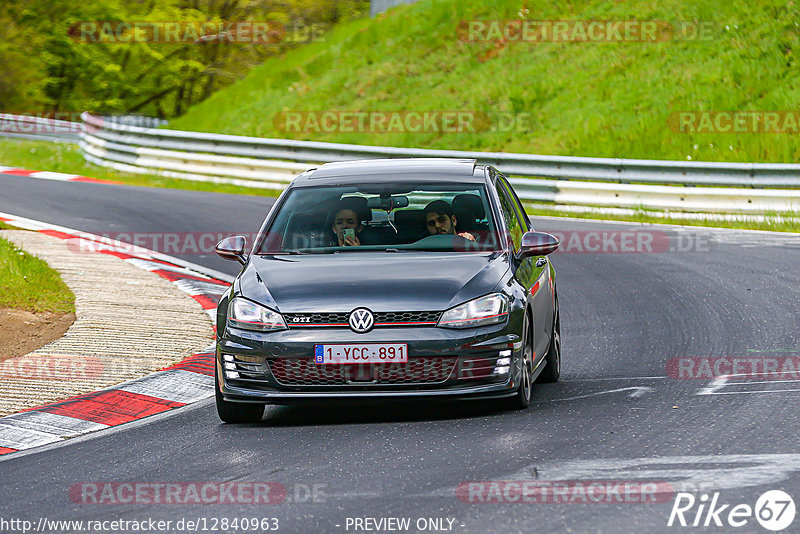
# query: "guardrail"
{"points": [[560, 180], [27, 127], [671, 185]]}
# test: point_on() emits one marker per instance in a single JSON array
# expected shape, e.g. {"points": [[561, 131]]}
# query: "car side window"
{"points": [[526, 223], [513, 223]]}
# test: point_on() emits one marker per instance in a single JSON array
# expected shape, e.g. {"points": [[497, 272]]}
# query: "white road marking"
{"points": [[618, 378], [718, 383], [757, 391], [637, 391], [701, 472], [713, 386], [60, 177], [685, 473], [795, 381]]}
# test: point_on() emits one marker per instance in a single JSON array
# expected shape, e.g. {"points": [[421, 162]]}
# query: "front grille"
{"points": [[300, 320], [304, 372], [382, 319], [391, 318]]}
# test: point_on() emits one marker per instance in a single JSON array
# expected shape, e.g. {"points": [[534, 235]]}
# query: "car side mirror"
{"points": [[232, 248], [537, 244]]}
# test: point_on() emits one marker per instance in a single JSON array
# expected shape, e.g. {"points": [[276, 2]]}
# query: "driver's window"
{"points": [[513, 224], [518, 209]]}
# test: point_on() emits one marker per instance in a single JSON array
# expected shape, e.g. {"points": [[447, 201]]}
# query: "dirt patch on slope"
{"points": [[22, 331]]}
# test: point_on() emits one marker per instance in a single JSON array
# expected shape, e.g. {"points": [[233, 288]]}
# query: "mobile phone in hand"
{"points": [[348, 232]]}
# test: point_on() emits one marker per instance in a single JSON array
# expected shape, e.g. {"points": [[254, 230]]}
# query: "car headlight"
{"points": [[250, 316], [491, 309]]}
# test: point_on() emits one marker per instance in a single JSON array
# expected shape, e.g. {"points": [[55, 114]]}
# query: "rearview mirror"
{"points": [[232, 248], [386, 203], [537, 244]]}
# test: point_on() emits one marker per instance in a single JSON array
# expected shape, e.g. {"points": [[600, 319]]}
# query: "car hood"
{"points": [[379, 281]]}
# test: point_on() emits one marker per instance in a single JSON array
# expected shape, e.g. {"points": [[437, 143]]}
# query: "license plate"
{"points": [[367, 353]]}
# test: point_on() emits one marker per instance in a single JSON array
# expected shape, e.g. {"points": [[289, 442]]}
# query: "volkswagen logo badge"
{"points": [[361, 320]]}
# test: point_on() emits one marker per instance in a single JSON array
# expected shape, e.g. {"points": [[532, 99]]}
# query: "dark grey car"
{"points": [[389, 279]]}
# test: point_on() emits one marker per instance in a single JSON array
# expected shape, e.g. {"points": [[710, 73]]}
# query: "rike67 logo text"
{"points": [[774, 510]]}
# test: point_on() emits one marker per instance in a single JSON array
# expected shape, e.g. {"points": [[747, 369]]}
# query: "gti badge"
{"points": [[361, 320]]}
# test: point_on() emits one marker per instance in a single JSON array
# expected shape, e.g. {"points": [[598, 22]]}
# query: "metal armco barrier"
{"points": [[671, 185], [379, 6], [560, 180], [27, 127]]}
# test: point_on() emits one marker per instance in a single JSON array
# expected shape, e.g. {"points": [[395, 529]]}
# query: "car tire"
{"points": [[522, 398], [235, 412], [552, 365]]}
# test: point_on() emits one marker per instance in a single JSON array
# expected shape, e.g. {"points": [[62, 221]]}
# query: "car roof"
{"points": [[391, 170]]}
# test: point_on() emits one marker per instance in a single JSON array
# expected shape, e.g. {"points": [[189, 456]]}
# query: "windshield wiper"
{"points": [[287, 252]]}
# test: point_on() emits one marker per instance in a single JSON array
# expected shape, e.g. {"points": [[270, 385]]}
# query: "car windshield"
{"points": [[394, 217]]}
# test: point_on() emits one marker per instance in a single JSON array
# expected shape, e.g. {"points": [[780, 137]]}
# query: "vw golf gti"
{"points": [[389, 279]]}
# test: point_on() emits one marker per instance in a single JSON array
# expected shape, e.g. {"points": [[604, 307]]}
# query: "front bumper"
{"points": [[442, 363]]}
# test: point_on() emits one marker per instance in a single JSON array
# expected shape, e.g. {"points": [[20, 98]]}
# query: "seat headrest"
{"points": [[357, 204], [410, 218], [469, 203]]}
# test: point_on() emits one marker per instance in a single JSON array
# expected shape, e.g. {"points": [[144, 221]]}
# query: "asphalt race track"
{"points": [[621, 413]]}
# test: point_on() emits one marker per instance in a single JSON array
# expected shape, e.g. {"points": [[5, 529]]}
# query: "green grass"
{"points": [[27, 283], [67, 158], [584, 98]]}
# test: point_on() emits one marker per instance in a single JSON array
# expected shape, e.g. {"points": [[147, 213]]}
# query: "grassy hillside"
{"points": [[607, 99], [70, 56]]}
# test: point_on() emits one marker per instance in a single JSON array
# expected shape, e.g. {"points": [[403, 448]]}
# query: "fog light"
{"points": [[227, 357], [505, 353], [503, 361], [231, 374], [500, 370], [230, 366]]}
